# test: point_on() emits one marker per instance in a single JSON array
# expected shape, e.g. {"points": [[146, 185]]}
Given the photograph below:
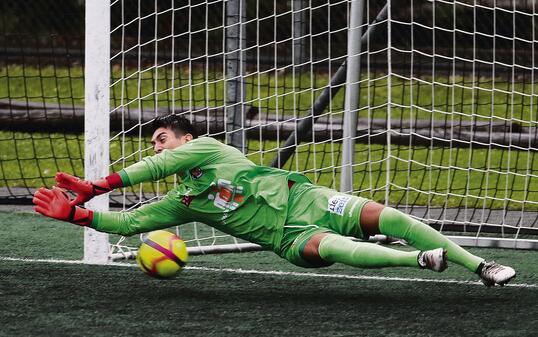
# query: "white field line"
{"points": [[282, 273]]}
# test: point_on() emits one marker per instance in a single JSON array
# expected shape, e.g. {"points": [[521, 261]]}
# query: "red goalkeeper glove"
{"points": [[56, 204], [85, 190]]}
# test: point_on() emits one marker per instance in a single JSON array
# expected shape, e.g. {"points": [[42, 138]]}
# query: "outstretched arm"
{"points": [[195, 153], [158, 215], [152, 168]]}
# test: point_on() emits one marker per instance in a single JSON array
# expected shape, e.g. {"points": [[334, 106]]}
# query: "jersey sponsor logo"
{"points": [[337, 204], [225, 195], [196, 173]]}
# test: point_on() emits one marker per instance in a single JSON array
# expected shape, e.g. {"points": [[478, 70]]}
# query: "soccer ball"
{"points": [[162, 254]]}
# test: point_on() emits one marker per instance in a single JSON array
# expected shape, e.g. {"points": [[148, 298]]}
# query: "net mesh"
{"points": [[41, 93], [446, 124], [463, 87], [239, 70]]}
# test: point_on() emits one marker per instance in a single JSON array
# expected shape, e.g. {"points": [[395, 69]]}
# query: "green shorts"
{"points": [[315, 209]]}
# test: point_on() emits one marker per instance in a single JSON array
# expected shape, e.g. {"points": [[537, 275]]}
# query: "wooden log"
{"points": [[47, 117]]}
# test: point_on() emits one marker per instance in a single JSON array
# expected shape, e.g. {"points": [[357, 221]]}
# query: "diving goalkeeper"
{"points": [[283, 211]]}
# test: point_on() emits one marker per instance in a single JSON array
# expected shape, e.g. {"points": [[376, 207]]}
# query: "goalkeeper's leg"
{"points": [[331, 247], [375, 218], [338, 213], [378, 219]]}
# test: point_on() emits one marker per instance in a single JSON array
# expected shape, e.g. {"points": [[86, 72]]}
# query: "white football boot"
{"points": [[493, 273], [434, 259]]}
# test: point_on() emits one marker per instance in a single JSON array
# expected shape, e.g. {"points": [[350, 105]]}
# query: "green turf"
{"points": [[81, 300]]}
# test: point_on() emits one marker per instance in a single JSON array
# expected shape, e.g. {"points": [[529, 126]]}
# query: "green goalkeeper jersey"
{"points": [[219, 186]]}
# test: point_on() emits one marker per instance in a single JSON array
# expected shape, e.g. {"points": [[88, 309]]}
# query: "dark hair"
{"points": [[179, 124]]}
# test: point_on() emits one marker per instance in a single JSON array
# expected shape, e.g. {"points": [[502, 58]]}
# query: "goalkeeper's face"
{"points": [[165, 138]]}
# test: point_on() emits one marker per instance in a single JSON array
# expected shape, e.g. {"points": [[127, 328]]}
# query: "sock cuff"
{"points": [[387, 216], [325, 243]]}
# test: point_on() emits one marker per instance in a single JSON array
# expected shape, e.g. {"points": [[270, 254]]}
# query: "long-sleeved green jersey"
{"points": [[219, 187]]}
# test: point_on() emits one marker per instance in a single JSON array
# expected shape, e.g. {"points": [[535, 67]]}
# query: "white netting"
{"points": [[454, 78], [466, 73]]}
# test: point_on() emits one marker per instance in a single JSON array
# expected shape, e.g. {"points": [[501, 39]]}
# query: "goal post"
{"points": [[97, 118], [353, 73], [425, 106]]}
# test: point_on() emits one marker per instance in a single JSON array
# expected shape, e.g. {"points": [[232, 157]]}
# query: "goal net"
{"points": [[426, 106]]}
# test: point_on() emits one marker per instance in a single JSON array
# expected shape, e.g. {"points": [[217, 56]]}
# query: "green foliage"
{"points": [[456, 177], [459, 177], [438, 98]]}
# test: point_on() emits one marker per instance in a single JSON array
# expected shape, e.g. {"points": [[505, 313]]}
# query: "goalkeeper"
{"points": [[306, 224]]}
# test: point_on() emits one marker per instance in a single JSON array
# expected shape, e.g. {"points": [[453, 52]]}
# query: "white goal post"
{"points": [[424, 105], [96, 118]]}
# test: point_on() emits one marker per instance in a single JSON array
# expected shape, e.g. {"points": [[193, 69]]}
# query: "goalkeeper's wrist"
{"points": [[107, 184], [80, 216], [114, 181]]}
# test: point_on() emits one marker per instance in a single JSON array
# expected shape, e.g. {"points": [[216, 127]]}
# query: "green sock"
{"points": [[336, 248], [419, 235]]}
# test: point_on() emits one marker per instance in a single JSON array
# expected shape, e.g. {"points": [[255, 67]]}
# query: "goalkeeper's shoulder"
{"points": [[205, 142], [209, 147], [201, 145]]}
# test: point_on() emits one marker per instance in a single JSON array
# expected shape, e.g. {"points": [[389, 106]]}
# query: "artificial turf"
{"points": [[216, 297]]}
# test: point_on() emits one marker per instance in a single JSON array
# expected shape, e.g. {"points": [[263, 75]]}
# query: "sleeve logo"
{"points": [[337, 204], [187, 199]]}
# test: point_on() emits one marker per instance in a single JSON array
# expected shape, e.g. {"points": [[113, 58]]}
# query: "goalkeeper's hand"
{"points": [[85, 190], [56, 204]]}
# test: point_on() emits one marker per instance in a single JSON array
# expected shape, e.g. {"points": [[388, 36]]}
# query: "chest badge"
{"points": [[196, 173]]}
